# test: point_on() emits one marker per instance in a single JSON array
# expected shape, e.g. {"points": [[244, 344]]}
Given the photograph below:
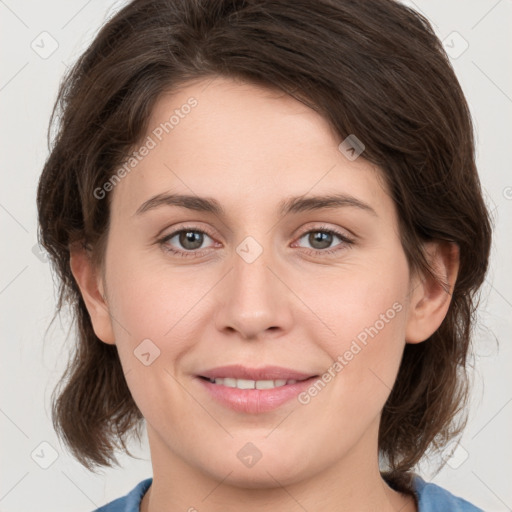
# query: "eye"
{"points": [[189, 241], [321, 240], [185, 242]]}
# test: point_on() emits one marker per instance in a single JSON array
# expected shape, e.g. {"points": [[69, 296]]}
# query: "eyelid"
{"points": [[179, 226], [342, 232], [346, 240], [194, 228]]}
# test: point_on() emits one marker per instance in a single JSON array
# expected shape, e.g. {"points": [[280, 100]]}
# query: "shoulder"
{"points": [[432, 498], [130, 502]]}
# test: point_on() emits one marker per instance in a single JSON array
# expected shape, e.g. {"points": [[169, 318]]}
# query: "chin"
{"points": [[264, 471], [262, 478]]}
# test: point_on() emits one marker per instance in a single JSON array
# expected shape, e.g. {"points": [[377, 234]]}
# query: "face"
{"points": [[257, 278]]}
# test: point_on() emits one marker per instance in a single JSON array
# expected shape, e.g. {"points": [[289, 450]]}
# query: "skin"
{"points": [[251, 148]]}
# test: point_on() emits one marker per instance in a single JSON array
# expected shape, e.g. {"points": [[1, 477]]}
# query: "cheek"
{"points": [[142, 286], [356, 302], [155, 325], [363, 313], [149, 303]]}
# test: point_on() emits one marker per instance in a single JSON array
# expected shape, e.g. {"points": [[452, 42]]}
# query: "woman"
{"points": [[268, 220]]}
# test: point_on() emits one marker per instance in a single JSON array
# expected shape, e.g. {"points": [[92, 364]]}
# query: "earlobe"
{"points": [[93, 292], [431, 297]]}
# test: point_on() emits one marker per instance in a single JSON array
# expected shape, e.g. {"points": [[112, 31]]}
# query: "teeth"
{"points": [[230, 383], [252, 384], [244, 384], [265, 384]]}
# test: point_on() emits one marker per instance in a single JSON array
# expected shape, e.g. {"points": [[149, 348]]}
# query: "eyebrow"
{"points": [[290, 205], [301, 203]]}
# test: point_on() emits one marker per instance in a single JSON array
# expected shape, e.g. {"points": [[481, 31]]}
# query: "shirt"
{"points": [[431, 498]]}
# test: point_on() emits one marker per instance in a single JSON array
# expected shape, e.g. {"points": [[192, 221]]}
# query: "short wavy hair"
{"points": [[374, 69]]}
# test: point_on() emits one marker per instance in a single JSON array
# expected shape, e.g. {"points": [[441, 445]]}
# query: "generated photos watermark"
{"points": [[150, 143], [343, 360]]}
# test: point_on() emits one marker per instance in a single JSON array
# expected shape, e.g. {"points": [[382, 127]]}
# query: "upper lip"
{"points": [[264, 373]]}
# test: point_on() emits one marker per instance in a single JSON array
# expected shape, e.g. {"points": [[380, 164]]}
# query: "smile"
{"points": [[253, 391], [251, 384]]}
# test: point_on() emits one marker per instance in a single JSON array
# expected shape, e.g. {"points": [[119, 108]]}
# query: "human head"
{"points": [[355, 65]]}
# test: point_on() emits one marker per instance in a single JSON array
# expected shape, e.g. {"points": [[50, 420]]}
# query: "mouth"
{"points": [[254, 391], [232, 382]]}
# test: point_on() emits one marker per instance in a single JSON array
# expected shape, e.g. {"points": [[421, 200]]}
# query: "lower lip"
{"points": [[254, 401]]}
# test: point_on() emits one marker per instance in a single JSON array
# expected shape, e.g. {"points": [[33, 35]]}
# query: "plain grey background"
{"points": [[38, 41]]}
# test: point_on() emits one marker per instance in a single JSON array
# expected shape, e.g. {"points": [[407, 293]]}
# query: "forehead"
{"points": [[243, 144]]}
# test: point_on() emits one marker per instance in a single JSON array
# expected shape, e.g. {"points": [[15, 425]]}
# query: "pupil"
{"points": [[322, 239], [191, 240]]}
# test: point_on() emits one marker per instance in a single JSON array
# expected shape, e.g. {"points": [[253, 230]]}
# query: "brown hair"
{"points": [[374, 69]]}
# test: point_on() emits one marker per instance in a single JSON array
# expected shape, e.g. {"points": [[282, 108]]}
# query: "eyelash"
{"points": [[198, 252]]}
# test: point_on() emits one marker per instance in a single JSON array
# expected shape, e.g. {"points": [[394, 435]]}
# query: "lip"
{"points": [[264, 373], [254, 401]]}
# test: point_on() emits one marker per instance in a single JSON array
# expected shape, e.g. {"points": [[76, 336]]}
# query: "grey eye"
{"points": [[320, 239], [187, 239]]}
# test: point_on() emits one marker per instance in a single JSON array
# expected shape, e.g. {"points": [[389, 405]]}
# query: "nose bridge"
{"points": [[253, 301]]}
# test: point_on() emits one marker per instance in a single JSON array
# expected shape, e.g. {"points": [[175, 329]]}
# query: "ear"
{"points": [[430, 297], [93, 292]]}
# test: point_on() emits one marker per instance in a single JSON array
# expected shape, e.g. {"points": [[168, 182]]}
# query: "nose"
{"points": [[254, 300]]}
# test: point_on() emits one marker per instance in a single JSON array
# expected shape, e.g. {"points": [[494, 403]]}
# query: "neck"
{"points": [[350, 485]]}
